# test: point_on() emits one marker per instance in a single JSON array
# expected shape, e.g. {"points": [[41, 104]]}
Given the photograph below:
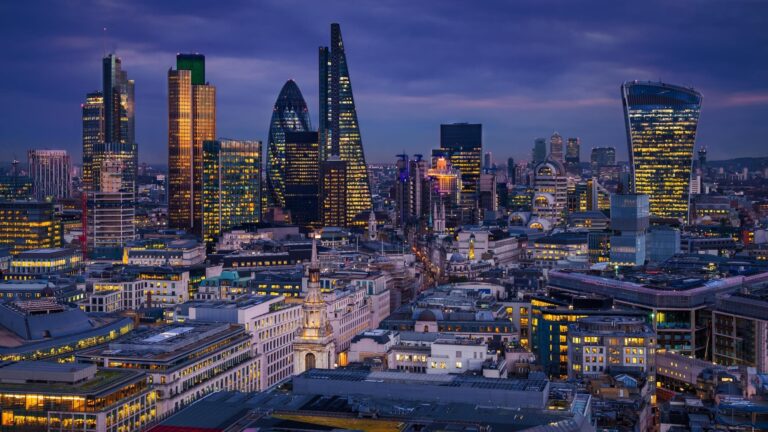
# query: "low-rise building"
{"points": [[740, 330], [74, 397], [164, 252], [567, 249], [36, 263], [601, 344], [272, 324], [184, 361]]}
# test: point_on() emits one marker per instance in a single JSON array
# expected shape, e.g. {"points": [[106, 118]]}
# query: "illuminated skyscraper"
{"points": [[93, 133], [49, 170], [191, 121], [334, 198], [556, 147], [339, 129], [231, 185], [462, 144], [290, 114], [119, 108], [661, 121], [302, 177], [573, 151]]}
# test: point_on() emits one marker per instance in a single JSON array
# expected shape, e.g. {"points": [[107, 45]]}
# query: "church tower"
{"points": [[372, 231], [314, 347]]}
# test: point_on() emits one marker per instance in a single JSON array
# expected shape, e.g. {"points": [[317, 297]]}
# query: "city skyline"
{"points": [[532, 82]]}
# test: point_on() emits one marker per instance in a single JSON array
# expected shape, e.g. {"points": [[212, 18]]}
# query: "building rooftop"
{"points": [[64, 378], [47, 253]]}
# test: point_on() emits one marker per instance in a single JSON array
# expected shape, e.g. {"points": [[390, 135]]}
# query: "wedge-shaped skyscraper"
{"points": [[339, 130], [290, 114], [661, 122]]}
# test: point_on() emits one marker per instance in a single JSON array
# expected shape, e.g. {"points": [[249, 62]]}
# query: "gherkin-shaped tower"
{"points": [[290, 114]]}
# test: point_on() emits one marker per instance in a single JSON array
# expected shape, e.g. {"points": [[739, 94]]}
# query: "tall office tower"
{"points": [[556, 147], [93, 133], [290, 114], [629, 222], [302, 177], [26, 225], [550, 186], [487, 161], [402, 200], [50, 171], [119, 112], [703, 159], [333, 192], [661, 121], [231, 185], [411, 190], [602, 156], [573, 151], [111, 214], [339, 130], [191, 121], [539, 151], [487, 194], [314, 346], [511, 171], [462, 143]]}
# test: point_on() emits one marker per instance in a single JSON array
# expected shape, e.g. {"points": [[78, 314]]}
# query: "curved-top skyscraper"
{"points": [[290, 114], [661, 122], [339, 130]]}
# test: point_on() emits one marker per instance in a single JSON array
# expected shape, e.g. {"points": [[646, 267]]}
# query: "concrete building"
{"points": [[509, 393], [272, 324], [470, 310], [184, 362], [567, 249], [74, 396], [50, 174], [602, 344], [163, 252], [489, 244], [550, 185], [740, 330]]}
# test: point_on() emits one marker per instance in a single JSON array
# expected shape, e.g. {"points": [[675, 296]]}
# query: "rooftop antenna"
{"points": [[104, 41]]}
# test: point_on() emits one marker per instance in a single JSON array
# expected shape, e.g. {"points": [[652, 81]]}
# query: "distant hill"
{"points": [[754, 163]]}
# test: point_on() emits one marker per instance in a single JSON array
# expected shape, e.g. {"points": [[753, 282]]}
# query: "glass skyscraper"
{"points": [[462, 143], [661, 121], [290, 114], [539, 151], [108, 123], [339, 130], [191, 121], [302, 177], [231, 185]]}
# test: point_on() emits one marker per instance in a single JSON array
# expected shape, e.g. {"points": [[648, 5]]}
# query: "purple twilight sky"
{"points": [[523, 69]]}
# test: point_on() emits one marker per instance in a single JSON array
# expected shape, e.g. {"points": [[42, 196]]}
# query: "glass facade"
{"points": [[118, 114], [334, 197], [339, 129], [290, 114], [231, 178], [661, 122], [191, 121], [302, 177], [462, 144], [26, 225], [93, 133]]}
